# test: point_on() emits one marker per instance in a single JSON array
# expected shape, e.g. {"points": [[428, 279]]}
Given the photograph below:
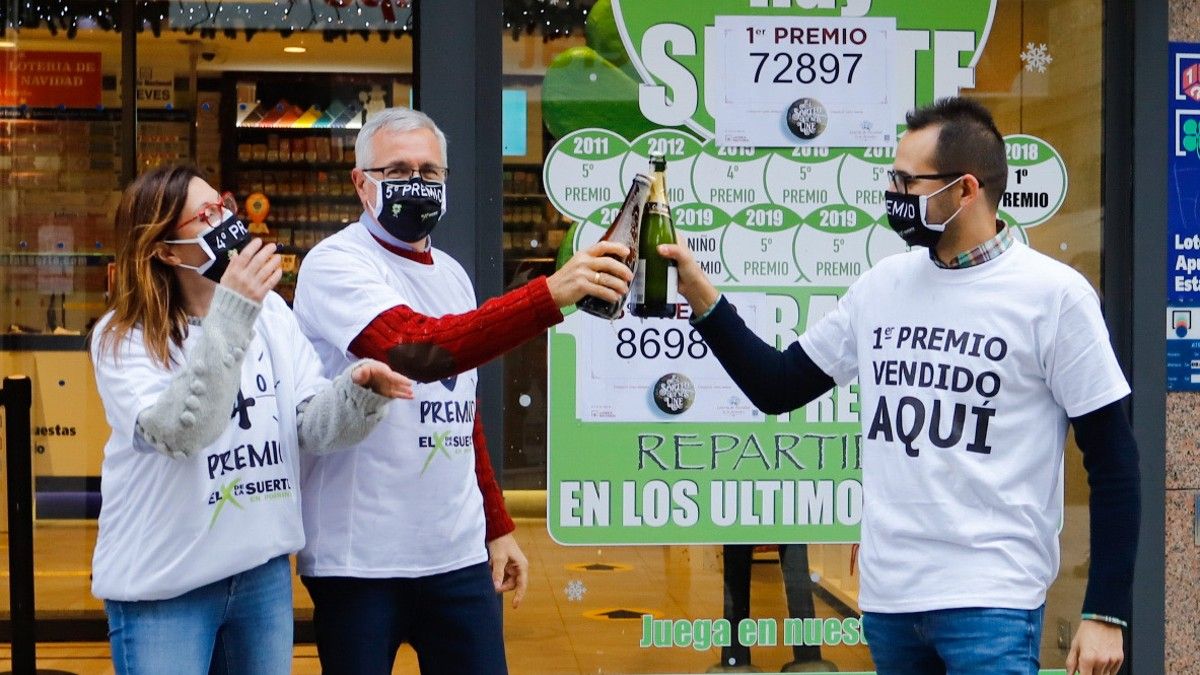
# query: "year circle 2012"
{"points": [[674, 393], [806, 118]]}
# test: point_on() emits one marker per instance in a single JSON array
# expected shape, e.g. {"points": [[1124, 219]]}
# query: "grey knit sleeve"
{"points": [[339, 416], [194, 409]]}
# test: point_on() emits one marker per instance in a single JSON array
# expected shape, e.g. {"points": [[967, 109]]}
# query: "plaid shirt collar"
{"points": [[982, 253]]}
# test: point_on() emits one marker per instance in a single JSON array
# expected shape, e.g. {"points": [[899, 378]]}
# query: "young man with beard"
{"points": [[973, 353]]}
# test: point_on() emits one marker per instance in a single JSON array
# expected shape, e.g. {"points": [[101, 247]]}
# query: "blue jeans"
{"points": [[241, 625], [956, 641], [452, 620]]}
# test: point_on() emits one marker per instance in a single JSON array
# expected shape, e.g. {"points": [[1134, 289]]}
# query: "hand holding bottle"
{"points": [[623, 230], [693, 282], [596, 270]]}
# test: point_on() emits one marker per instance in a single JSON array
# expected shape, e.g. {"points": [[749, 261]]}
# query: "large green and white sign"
{"points": [[649, 440]]}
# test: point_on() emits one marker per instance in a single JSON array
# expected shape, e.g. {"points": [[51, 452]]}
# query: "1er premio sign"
{"points": [[790, 80], [50, 79]]}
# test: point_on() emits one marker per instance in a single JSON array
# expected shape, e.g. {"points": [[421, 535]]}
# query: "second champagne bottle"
{"points": [[655, 280]]}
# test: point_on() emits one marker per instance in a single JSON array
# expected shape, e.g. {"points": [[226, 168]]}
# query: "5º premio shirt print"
{"points": [[404, 502]]}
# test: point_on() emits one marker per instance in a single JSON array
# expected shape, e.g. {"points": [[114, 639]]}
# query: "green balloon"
{"points": [[602, 33], [583, 89]]}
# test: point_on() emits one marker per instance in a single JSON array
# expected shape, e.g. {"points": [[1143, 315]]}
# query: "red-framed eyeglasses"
{"points": [[213, 213]]}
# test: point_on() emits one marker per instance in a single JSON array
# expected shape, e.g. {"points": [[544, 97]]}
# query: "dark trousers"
{"points": [[452, 620], [797, 586]]}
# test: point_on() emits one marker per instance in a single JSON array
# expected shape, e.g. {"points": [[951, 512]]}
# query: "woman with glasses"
{"points": [[211, 392]]}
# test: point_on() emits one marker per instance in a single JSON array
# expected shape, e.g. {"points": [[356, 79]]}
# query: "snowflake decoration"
{"points": [[1036, 57], [575, 590]]}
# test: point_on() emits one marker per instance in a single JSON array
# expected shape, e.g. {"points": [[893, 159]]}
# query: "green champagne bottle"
{"points": [[655, 279], [623, 230]]}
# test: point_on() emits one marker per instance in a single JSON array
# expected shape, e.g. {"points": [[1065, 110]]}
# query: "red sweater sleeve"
{"points": [[429, 348], [498, 521]]}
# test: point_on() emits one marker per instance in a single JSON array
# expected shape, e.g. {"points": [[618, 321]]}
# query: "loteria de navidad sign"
{"points": [[778, 120]]}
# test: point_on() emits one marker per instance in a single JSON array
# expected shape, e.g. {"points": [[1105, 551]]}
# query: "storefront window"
{"points": [[264, 97], [768, 220], [534, 232], [61, 151]]}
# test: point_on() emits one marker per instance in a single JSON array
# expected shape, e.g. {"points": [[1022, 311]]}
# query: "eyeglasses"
{"points": [[899, 181], [213, 213], [402, 171]]}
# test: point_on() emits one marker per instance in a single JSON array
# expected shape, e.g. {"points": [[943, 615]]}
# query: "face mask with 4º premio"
{"points": [[906, 215], [409, 209], [219, 242]]}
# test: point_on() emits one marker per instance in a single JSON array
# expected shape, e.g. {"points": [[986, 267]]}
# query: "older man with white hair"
{"points": [[408, 539]]}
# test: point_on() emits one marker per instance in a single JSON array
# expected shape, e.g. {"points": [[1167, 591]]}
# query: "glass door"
{"points": [[638, 579], [264, 97]]}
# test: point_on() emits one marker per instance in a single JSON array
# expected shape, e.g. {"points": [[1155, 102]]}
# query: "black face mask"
{"points": [[906, 215], [409, 209], [219, 242]]}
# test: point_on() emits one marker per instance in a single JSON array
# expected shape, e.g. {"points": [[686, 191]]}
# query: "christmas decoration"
{"points": [[1036, 57], [336, 19], [575, 590], [551, 19]]}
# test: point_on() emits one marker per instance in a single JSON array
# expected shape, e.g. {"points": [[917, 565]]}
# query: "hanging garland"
{"points": [[551, 19], [210, 17], [69, 16], [289, 16]]}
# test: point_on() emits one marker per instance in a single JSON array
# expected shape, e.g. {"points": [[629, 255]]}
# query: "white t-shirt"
{"points": [[168, 526], [405, 501], [967, 378]]}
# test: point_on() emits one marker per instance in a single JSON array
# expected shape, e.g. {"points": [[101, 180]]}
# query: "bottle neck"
{"points": [[658, 188]]}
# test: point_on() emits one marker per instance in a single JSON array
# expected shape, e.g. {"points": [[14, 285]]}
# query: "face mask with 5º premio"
{"points": [[906, 215], [219, 242], [409, 209]]}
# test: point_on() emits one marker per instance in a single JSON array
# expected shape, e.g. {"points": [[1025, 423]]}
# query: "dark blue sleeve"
{"points": [[1110, 456], [776, 382]]}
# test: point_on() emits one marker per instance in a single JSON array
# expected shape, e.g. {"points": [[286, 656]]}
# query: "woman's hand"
{"points": [[381, 379], [253, 271]]}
